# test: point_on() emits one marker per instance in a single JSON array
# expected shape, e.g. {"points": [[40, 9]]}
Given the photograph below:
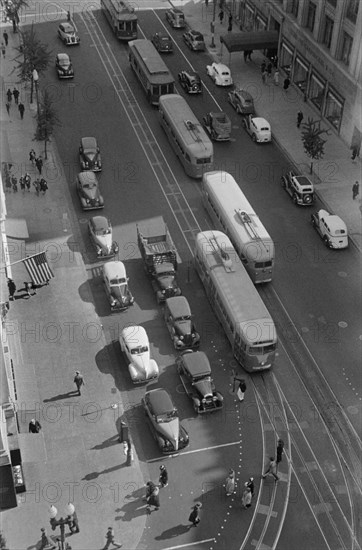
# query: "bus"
{"points": [[186, 135], [122, 18], [236, 302], [150, 70], [230, 210]]}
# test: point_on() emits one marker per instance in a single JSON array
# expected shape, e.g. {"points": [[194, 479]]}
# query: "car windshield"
{"points": [[89, 185], [89, 151], [165, 39], [63, 62], [101, 232], [183, 318], [117, 281], [167, 274], [139, 349], [166, 417]]}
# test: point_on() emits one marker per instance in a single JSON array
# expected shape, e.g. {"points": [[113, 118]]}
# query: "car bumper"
{"points": [[179, 345], [210, 407], [65, 76]]}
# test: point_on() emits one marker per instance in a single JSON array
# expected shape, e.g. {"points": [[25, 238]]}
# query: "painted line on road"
{"points": [[204, 541], [178, 453]]}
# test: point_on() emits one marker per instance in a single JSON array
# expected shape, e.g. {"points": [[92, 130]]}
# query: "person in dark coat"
{"points": [[355, 190], [269, 68], [36, 184], [16, 94], [300, 117], [21, 110], [39, 163], [230, 26], [163, 479], [110, 539], [194, 517], [34, 426], [78, 381], [280, 450], [286, 83], [22, 184], [250, 485], [221, 16], [6, 38], [32, 156], [14, 183], [43, 186], [3, 49], [154, 499], [9, 95], [271, 470], [46, 542], [27, 181], [263, 67], [12, 289]]}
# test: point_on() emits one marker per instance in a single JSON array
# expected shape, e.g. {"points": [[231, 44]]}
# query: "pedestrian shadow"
{"points": [[133, 509], [174, 532], [114, 440], [94, 475], [72, 393]]}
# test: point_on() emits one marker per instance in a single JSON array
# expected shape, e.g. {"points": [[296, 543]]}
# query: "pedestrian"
{"points": [[246, 498], [221, 16], [300, 117], [36, 184], [12, 289], [241, 390], [286, 83], [272, 469], [249, 54], [46, 542], [21, 110], [6, 38], [3, 49], [9, 95], [269, 69], [153, 499], [32, 156], [163, 478], [149, 489], [73, 523], [230, 26], [355, 190], [230, 483], [34, 426], [43, 186], [27, 181], [78, 381], [22, 184], [28, 287], [250, 484], [39, 163], [16, 94], [7, 105], [129, 454], [280, 450], [263, 67], [245, 56], [354, 152], [110, 539], [7, 183], [264, 76], [194, 517], [276, 78], [14, 183]]}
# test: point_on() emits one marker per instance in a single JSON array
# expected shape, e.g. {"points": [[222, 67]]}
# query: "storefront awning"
{"points": [[257, 40]]}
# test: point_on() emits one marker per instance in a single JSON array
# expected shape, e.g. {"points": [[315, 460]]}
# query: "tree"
{"points": [[12, 11], [313, 143], [3, 544], [47, 120], [32, 54]]}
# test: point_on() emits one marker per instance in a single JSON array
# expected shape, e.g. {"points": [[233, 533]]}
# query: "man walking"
{"points": [[21, 110], [286, 84], [34, 426], [221, 16], [7, 105], [250, 485], [16, 94], [230, 26], [3, 49], [43, 186], [32, 156], [355, 190], [194, 517], [6, 38], [110, 539], [27, 181], [280, 450], [300, 117], [39, 163], [78, 381], [272, 469], [12, 289], [163, 479]]}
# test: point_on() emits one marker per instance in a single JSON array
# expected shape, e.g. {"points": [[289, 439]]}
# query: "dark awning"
{"points": [[257, 40]]}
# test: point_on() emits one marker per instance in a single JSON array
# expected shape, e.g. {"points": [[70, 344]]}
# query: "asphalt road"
{"points": [[317, 288]]}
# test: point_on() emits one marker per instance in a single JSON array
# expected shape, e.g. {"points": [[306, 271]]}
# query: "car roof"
{"points": [[160, 401], [304, 181], [64, 56], [114, 270], [162, 35], [221, 66], [89, 142], [191, 75], [196, 33], [220, 116], [259, 121], [244, 93], [87, 177], [135, 335], [176, 10], [197, 363], [178, 306], [333, 221], [67, 27], [100, 222]]}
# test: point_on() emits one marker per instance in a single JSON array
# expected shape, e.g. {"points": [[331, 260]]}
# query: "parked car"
{"points": [[64, 66], [331, 228], [100, 233], [194, 40], [89, 154], [179, 322], [300, 188], [116, 285], [88, 191], [258, 128], [191, 82], [136, 348], [220, 74], [67, 34], [176, 18], [242, 101], [195, 373], [218, 126], [162, 42], [165, 425]]}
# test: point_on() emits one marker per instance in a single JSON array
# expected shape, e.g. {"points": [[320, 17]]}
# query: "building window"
{"points": [[352, 10], [333, 110], [328, 31], [300, 74], [332, 3], [294, 9], [316, 91], [346, 48], [311, 16], [286, 59]]}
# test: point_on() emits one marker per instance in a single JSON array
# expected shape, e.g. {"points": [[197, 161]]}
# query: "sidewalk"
{"points": [[77, 456], [333, 175]]}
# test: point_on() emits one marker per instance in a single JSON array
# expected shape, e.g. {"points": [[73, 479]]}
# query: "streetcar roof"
{"points": [[155, 67], [123, 10], [240, 298], [189, 129], [245, 226]]}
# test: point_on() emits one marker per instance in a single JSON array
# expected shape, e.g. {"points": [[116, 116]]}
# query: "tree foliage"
{"points": [[47, 120], [32, 54], [3, 545], [13, 8], [313, 142]]}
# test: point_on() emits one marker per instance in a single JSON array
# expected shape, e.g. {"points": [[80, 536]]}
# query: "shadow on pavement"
{"points": [[61, 396]]}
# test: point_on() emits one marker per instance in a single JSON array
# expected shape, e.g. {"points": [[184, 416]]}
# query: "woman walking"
{"points": [[194, 517], [230, 483], [153, 499]]}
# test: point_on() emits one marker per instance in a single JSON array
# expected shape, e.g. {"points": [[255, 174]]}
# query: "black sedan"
{"points": [[89, 154], [191, 82]]}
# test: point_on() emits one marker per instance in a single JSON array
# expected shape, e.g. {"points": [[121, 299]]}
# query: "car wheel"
{"points": [[308, 199], [253, 137], [313, 221], [295, 199], [325, 240]]}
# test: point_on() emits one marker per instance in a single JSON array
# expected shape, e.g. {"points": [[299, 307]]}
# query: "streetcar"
{"points": [[150, 70], [186, 135], [231, 212], [122, 18], [236, 302]]}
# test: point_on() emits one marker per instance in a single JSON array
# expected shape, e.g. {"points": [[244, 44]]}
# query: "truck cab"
{"points": [[300, 188], [218, 126]]}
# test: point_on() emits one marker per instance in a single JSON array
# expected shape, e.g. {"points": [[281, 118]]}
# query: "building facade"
{"points": [[320, 48]]}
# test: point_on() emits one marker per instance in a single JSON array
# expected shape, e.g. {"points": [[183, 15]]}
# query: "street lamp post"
{"points": [[36, 80], [59, 523]]}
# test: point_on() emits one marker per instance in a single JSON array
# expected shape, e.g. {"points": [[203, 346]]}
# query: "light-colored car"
{"points": [[194, 40], [242, 101], [331, 228], [258, 128], [136, 348], [116, 285], [89, 154], [88, 191], [68, 35], [220, 74], [165, 425], [64, 66], [100, 233]]}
